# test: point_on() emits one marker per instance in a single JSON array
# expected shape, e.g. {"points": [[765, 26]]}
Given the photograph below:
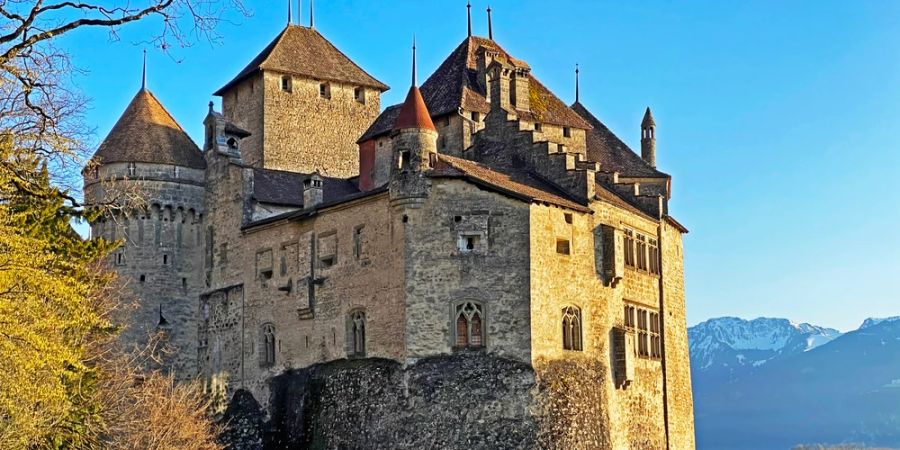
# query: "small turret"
{"points": [[648, 139], [313, 192]]}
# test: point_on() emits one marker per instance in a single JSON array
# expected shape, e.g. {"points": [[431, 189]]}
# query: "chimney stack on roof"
{"points": [[313, 191]]}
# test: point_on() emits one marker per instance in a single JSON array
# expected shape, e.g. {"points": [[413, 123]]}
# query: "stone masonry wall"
{"points": [[304, 132], [158, 261], [310, 325], [633, 416], [243, 105], [678, 368], [439, 275]]}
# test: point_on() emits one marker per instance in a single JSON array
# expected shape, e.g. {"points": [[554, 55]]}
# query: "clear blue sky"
{"points": [[778, 120]]}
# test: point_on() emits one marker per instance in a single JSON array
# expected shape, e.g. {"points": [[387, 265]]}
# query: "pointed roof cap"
{"points": [[414, 113], [648, 119], [303, 51], [146, 132]]}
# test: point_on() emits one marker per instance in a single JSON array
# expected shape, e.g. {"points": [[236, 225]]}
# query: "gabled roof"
{"points": [[455, 85], [517, 183], [147, 133], [613, 155], [303, 51], [284, 188]]}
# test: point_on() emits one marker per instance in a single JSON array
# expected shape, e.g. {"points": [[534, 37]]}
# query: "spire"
{"points": [[648, 119], [312, 16], [469, 14], [144, 73], [414, 81], [414, 113], [490, 25], [290, 19], [577, 85]]}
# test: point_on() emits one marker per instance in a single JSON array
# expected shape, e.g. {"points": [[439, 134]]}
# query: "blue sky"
{"points": [[777, 120]]}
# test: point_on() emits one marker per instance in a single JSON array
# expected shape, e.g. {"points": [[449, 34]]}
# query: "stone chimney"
{"points": [[520, 90], [499, 75], [313, 192], [648, 139]]}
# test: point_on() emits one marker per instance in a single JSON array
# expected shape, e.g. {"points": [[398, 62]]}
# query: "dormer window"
{"points": [[286, 83], [325, 90], [359, 94]]}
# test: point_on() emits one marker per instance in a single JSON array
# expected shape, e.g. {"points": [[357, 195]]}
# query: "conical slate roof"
{"points": [[146, 132], [648, 119], [414, 113], [303, 51]]}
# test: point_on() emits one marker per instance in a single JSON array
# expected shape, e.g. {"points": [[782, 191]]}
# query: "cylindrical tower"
{"points": [[151, 168]]}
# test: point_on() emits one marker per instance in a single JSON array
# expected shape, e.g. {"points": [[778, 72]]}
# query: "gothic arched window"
{"points": [[357, 334], [267, 341], [571, 328], [469, 324]]}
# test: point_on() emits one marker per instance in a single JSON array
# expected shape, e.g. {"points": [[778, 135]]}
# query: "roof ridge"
{"points": [[348, 58]]}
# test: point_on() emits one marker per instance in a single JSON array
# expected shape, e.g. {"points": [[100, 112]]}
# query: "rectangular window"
{"points": [[629, 247], [475, 116], [468, 242], [653, 254], [568, 218], [563, 247], [645, 323], [538, 127], [360, 95], [567, 132], [264, 264], [325, 90], [286, 83], [641, 252], [120, 258], [358, 242]]}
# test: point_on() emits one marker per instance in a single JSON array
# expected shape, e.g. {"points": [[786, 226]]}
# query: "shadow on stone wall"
{"points": [[461, 401]]}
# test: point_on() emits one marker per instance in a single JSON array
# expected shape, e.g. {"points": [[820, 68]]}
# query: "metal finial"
{"points": [[144, 73], [577, 84], [469, 13], [210, 106], [414, 82], [312, 17], [490, 25]]}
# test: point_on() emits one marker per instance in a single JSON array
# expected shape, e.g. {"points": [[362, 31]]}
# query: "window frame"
{"points": [[572, 329], [460, 311]]}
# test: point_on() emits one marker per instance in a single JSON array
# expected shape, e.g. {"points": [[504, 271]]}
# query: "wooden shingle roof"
{"points": [[147, 133], [303, 51]]}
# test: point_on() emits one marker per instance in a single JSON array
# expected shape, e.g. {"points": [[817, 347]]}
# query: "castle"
{"points": [[481, 218]]}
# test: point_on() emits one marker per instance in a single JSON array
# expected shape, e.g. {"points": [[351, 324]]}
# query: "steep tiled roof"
{"points": [[515, 183], [383, 124], [613, 155], [286, 188], [413, 113], [147, 133], [455, 85], [304, 51]]}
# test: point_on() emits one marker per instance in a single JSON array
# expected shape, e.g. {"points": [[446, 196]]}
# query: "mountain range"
{"points": [[773, 384]]}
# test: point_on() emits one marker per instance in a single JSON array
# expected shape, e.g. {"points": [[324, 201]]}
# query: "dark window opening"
{"points": [[360, 95], [568, 218], [563, 247], [404, 160], [143, 278], [538, 127], [476, 116], [286, 84], [567, 132], [165, 259], [325, 90]]}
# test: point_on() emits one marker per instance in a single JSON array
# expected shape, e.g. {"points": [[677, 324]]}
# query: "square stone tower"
{"points": [[305, 104]]}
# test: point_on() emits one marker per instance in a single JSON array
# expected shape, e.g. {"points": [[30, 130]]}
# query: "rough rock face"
{"points": [[467, 400]]}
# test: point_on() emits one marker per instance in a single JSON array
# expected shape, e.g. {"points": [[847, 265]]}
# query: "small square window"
{"points": [[476, 116], [325, 90], [468, 242], [567, 132], [563, 247], [360, 95], [538, 127], [568, 217]]}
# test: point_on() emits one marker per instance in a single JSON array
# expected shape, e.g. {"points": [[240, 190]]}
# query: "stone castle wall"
{"points": [[159, 259], [439, 275], [243, 105]]}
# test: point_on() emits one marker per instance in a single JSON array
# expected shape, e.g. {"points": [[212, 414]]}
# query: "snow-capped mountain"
{"points": [[872, 321], [844, 391], [729, 346]]}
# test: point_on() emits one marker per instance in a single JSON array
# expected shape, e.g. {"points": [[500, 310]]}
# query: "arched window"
{"points": [[469, 322], [357, 334], [571, 328], [267, 348]]}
